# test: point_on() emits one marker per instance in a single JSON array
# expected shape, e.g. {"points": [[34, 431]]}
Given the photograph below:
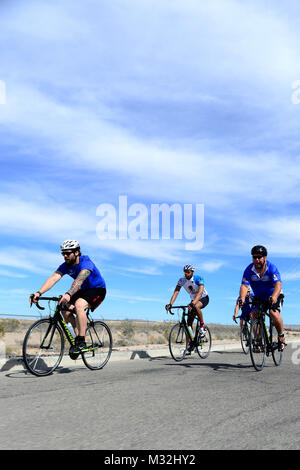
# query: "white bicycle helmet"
{"points": [[69, 245], [188, 267]]}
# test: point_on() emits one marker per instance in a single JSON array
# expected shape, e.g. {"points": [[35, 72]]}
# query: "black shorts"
{"points": [[94, 296], [266, 305], [204, 301]]}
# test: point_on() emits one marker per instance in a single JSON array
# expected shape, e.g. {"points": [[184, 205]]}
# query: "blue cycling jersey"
{"points": [[246, 308], [94, 279], [262, 286]]}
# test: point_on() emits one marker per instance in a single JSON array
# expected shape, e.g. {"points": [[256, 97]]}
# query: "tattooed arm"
{"points": [[82, 276]]}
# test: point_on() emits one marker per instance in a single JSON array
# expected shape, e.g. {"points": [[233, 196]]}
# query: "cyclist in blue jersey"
{"points": [[265, 281], [87, 291], [246, 308], [194, 285]]}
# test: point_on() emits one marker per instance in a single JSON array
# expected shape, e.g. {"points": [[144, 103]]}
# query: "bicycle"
{"points": [[245, 335], [263, 339], [181, 340], [44, 342]]}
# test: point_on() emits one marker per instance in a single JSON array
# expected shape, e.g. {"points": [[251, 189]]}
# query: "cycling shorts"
{"points": [[277, 306], [204, 301], [93, 296], [245, 316]]}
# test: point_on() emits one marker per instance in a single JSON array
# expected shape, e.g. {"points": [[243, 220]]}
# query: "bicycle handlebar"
{"points": [[55, 299], [183, 307]]}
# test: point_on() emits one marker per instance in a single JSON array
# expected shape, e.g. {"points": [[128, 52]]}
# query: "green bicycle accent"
{"points": [[68, 332]]}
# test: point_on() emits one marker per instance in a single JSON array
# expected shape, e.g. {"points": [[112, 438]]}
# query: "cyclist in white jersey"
{"points": [[194, 285]]}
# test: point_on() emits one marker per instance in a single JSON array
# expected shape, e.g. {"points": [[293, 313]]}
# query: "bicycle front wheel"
{"points": [[245, 339], [204, 344], [178, 342], [43, 347], [99, 341], [258, 345], [276, 354]]}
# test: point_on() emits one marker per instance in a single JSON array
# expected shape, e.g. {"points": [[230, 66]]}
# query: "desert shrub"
{"points": [[9, 325], [127, 329]]}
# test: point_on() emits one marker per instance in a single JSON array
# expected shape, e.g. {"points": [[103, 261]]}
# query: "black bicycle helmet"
{"points": [[259, 250]]}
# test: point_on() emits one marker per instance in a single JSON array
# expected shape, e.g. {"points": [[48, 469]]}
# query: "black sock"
{"points": [[80, 339]]}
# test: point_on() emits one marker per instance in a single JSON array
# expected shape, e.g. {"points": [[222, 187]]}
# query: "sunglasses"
{"points": [[67, 253], [258, 256]]}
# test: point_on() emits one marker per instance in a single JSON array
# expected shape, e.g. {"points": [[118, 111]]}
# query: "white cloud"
{"points": [[88, 141], [211, 266], [7, 273], [41, 218], [148, 270], [34, 261], [291, 276], [279, 233]]}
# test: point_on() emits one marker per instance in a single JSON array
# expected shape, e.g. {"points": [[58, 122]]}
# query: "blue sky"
{"points": [[161, 102]]}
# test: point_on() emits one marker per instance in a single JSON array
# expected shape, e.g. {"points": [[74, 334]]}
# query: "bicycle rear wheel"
{"points": [[43, 347], [258, 345], [276, 354], [204, 344], [244, 334], [178, 342], [99, 339]]}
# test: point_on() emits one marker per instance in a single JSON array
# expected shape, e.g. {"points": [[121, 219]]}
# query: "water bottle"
{"points": [[191, 331]]}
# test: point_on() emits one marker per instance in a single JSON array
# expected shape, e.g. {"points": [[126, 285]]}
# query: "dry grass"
{"points": [[126, 333]]}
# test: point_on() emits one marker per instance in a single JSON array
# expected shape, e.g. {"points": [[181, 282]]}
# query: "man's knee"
{"points": [[81, 305], [275, 315]]}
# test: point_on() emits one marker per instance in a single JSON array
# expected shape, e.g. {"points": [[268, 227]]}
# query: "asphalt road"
{"points": [[217, 403]]}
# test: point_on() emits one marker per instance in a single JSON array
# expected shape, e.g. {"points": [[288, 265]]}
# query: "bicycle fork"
{"points": [[51, 328]]}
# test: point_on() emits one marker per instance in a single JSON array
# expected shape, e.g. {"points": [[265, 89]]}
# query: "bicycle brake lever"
{"points": [[37, 304]]}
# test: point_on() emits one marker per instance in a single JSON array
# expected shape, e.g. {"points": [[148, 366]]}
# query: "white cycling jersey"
{"points": [[192, 285]]}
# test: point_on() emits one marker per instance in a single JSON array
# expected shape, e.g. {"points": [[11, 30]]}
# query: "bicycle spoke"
{"points": [[99, 343], [258, 345], [43, 347], [178, 342], [204, 344], [276, 353], [245, 338]]}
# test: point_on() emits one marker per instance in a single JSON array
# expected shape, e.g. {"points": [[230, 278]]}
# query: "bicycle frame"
{"points": [[54, 319], [183, 321], [261, 315], [57, 317]]}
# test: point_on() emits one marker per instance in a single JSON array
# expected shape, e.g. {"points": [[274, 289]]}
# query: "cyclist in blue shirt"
{"points": [[246, 308], [87, 291], [265, 281]]}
